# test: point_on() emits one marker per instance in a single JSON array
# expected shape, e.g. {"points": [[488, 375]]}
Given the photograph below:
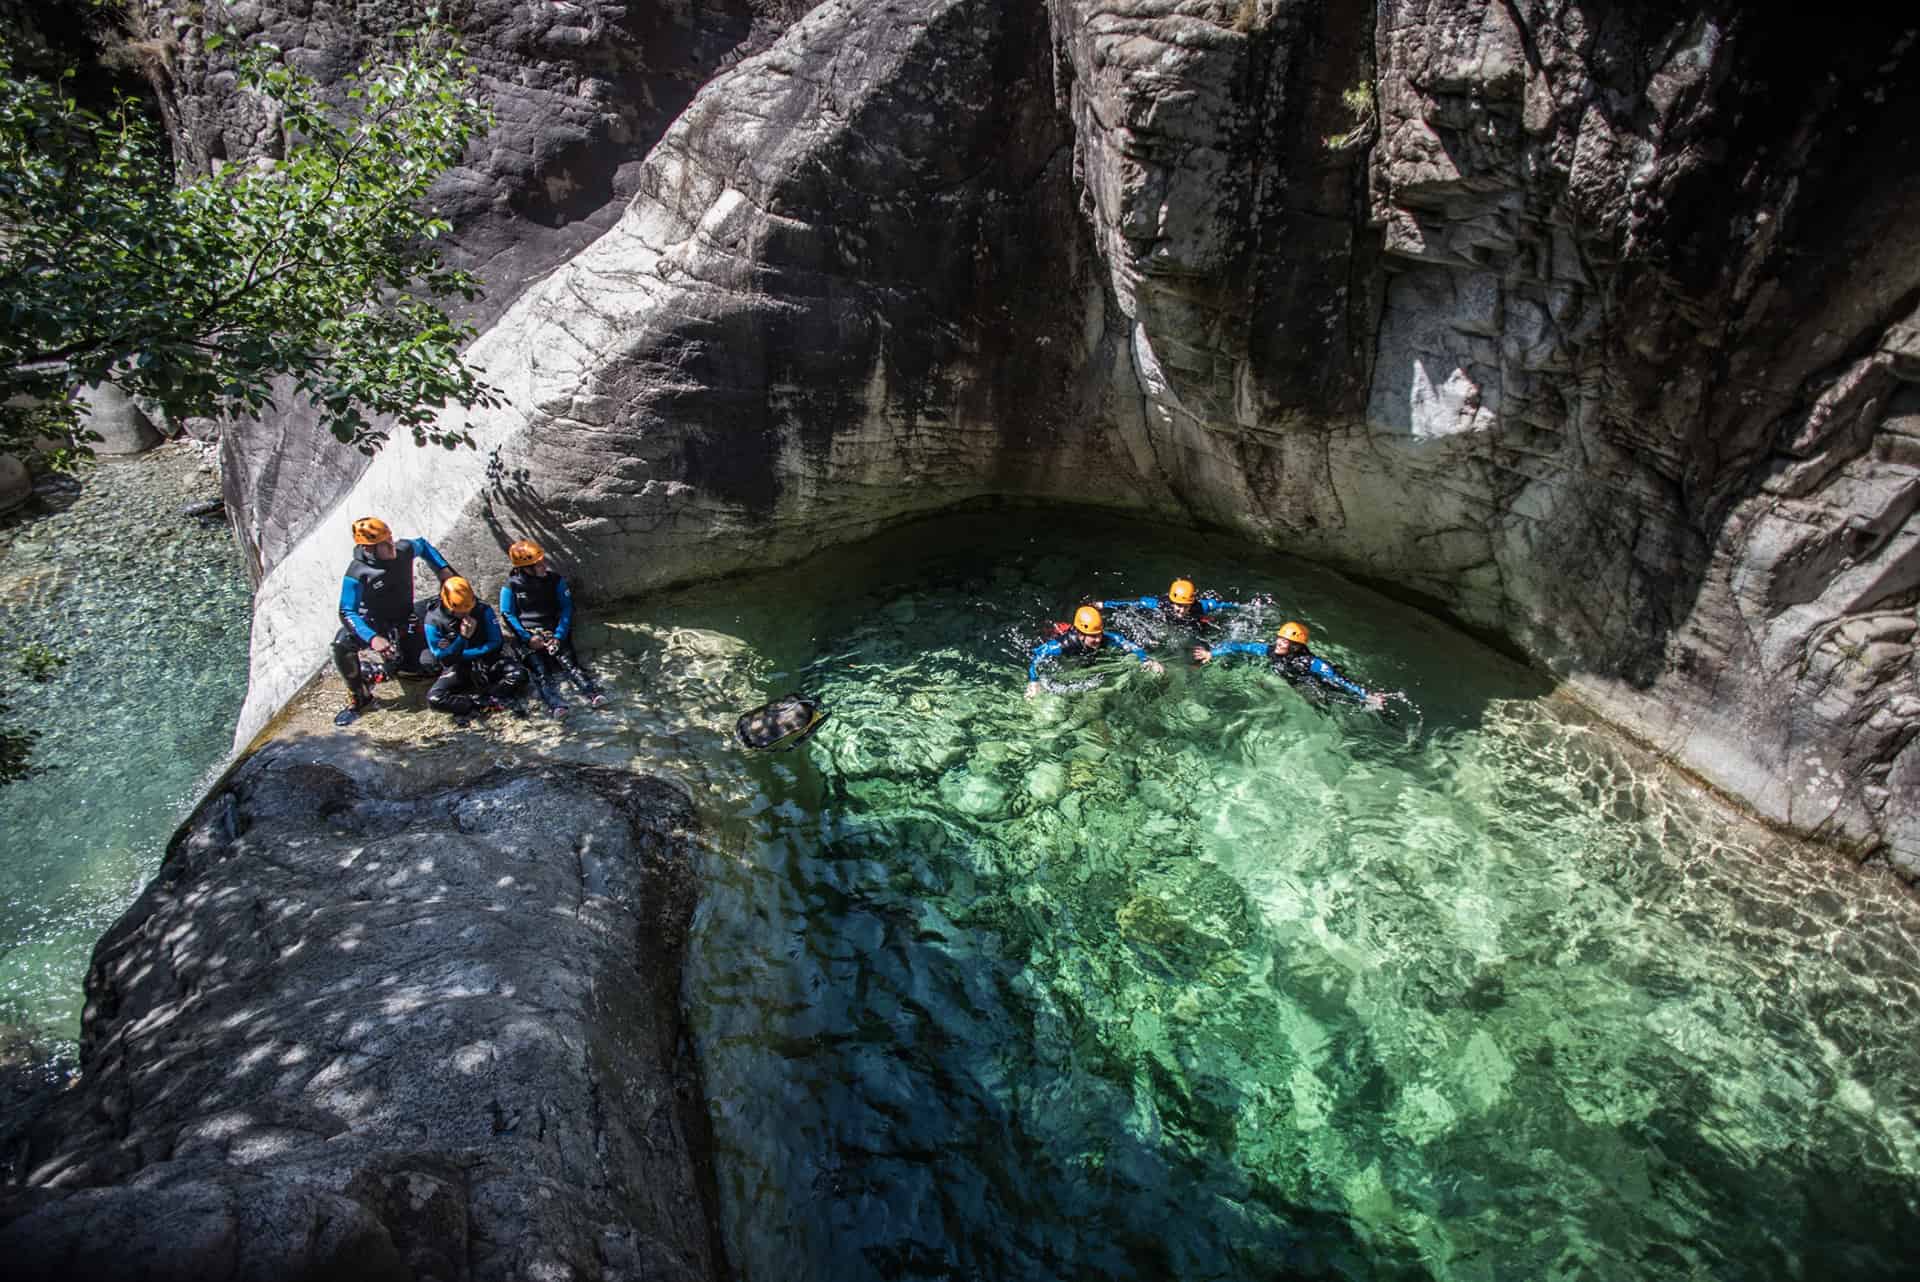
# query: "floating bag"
{"points": [[781, 724]]}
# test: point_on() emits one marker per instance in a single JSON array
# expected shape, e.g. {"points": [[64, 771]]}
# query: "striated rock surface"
{"points": [[387, 1016], [1600, 338], [580, 90]]}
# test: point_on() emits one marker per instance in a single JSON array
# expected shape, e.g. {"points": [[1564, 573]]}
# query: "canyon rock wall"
{"points": [[580, 91], [1596, 331], [387, 1015]]}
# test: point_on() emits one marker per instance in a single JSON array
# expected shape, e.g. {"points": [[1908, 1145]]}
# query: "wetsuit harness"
{"points": [[377, 595], [530, 601]]}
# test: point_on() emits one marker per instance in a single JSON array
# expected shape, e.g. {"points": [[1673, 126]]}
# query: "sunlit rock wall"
{"points": [[1599, 337], [580, 91]]}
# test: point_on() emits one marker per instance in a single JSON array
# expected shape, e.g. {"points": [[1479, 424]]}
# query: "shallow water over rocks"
{"points": [[149, 610]]}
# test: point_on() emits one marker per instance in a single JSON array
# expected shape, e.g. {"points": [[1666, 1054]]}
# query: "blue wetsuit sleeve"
{"points": [[425, 549], [1210, 604], [1238, 647], [442, 644], [1114, 639], [351, 602], [507, 612], [565, 625], [1330, 675], [1045, 650]]}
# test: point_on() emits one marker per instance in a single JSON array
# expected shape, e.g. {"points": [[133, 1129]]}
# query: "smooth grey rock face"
{"points": [[387, 1018], [121, 425], [1604, 343], [580, 90]]}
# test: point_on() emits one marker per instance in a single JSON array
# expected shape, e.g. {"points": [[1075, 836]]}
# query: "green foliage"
{"points": [[39, 661], [1358, 100], [320, 267]]}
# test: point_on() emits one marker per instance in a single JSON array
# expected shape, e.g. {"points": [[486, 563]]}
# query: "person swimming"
{"points": [[1084, 640], [1289, 657]]}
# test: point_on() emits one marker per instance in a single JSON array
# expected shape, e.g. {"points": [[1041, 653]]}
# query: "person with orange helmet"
{"points": [[378, 612], [1084, 639], [476, 674], [1183, 604], [538, 605], [1291, 659]]}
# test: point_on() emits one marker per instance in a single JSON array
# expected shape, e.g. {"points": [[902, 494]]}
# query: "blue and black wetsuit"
{"points": [[1302, 667], [543, 602], [1201, 614], [472, 669], [376, 599], [1078, 645]]}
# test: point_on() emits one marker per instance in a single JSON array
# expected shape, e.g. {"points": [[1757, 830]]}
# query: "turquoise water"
{"points": [[150, 610], [1184, 977]]}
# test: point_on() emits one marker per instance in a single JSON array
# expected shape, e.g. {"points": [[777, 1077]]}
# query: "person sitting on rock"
{"points": [[537, 604], [1085, 639], [476, 674], [1291, 659], [377, 611], [1184, 604]]}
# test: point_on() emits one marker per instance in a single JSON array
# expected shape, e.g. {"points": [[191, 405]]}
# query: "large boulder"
{"points": [[120, 425], [387, 1016]]}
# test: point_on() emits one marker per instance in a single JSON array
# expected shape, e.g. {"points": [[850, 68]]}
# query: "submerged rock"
{"points": [[16, 482], [379, 1019]]}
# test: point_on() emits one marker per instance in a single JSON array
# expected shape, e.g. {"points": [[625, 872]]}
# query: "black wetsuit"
{"points": [[543, 602], [473, 669], [376, 599]]}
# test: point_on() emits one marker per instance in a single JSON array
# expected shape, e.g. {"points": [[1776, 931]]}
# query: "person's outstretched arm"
{"points": [[565, 625], [441, 570], [1218, 649], [1115, 639], [1327, 674]]}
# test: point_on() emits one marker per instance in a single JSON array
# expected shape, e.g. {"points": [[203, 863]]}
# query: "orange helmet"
{"points": [[1182, 592], [457, 595], [1295, 632], [369, 530], [524, 553], [1087, 621]]}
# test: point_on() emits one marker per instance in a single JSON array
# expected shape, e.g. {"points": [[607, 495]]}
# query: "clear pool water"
{"points": [[1184, 977], [150, 610]]}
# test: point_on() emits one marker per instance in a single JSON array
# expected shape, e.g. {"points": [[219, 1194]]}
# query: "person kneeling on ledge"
{"points": [[464, 635]]}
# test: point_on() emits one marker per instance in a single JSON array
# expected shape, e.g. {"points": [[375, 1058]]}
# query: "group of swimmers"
{"points": [[479, 667], [1186, 607], [456, 639]]}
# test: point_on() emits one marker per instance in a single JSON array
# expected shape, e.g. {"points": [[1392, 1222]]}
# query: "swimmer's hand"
{"points": [[1033, 688], [1153, 666], [1202, 654], [1376, 703]]}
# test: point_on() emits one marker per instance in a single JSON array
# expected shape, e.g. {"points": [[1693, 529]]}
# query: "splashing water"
{"points": [[1187, 977], [149, 609]]}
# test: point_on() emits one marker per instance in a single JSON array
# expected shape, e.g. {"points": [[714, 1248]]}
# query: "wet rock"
{"points": [[205, 508], [122, 426], [373, 1020]]}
